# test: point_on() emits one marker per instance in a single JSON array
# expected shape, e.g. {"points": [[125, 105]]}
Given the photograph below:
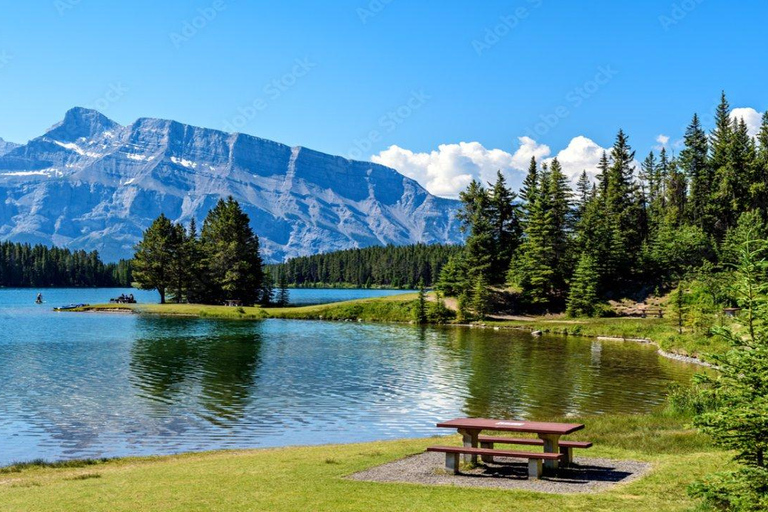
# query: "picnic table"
{"points": [[549, 435]]}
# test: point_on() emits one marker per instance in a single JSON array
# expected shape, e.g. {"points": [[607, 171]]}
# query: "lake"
{"points": [[102, 385]]}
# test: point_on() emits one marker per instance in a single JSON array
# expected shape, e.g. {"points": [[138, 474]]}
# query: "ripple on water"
{"points": [[76, 386]]}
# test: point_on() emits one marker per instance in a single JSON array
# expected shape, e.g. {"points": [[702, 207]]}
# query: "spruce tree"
{"points": [[737, 419], [583, 297], [480, 297], [725, 182], [232, 254], [283, 295], [694, 162], [602, 175], [504, 218], [528, 191], [760, 185], [420, 311], [153, 261]]}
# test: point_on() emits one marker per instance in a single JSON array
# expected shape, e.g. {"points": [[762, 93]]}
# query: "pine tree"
{"points": [[283, 295], [476, 221], [739, 394], [760, 185], [528, 190], [232, 254], [561, 223], [154, 257], [602, 174], [725, 182], [420, 311], [584, 192], [533, 269], [694, 162], [504, 218], [480, 297], [583, 298]]}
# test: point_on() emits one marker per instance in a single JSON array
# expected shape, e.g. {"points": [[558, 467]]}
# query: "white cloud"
{"points": [[582, 154], [752, 117], [448, 170], [662, 142]]}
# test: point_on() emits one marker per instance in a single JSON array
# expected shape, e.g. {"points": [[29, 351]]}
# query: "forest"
{"points": [[378, 267], [632, 232], [38, 266]]}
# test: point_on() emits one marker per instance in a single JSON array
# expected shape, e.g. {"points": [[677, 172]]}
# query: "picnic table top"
{"points": [[536, 427]]}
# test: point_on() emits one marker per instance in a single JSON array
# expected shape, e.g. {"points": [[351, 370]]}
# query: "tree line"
{"points": [[38, 266], [631, 231], [221, 263], [379, 266]]}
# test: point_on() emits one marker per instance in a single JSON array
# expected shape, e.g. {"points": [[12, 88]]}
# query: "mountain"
{"points": [[90, 183], [5, 146]]}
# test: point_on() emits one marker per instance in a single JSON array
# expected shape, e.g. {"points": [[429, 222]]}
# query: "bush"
{"points": [[745, 490]]}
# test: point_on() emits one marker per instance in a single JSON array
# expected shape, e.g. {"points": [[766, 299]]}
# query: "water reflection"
{"points": [[213, 363], [74, 386]]}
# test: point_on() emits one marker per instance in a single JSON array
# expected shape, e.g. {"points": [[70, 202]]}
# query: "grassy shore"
{"points": [[395, 308], [313, 478], [398, 308]]}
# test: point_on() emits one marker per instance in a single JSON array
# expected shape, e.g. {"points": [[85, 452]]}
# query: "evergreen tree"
{"points": [[760, 185], [694, 162], [267, 292], [153, 261], [476, 220], [583, 298], [584, 193], [283, 295], [533, 269], [739, 394], [504, 218], [724, 180], [602, 175], [232, 254], [480, 297], [420, 311], [528, 191]]}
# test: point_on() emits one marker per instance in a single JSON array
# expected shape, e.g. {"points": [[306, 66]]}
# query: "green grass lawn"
{"points": [[312, 478]]}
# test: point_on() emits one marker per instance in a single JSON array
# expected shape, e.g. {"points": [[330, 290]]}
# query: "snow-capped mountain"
{"points": [[90, 183]]}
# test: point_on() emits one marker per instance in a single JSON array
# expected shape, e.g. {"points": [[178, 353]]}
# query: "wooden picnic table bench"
{"points": [[566, 447], [548, 436], [535, 460]]}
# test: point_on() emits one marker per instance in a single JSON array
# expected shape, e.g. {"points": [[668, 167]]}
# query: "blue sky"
{"points": [[355, 77]]}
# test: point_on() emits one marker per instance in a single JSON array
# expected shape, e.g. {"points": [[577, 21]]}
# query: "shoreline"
{"points": [[388, 310], [321, 476]]}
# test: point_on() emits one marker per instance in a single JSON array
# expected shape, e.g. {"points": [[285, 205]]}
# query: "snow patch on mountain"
{"points": [[90, 183]]}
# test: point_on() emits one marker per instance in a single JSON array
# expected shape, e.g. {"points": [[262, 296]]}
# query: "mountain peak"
{"points": [[81, 122]]}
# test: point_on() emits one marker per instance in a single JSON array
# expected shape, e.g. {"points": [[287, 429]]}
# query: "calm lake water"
{"points": [[93, 385]]}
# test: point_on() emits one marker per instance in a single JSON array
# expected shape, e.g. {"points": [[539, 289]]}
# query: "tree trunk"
{"points": [[162, 295]]}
